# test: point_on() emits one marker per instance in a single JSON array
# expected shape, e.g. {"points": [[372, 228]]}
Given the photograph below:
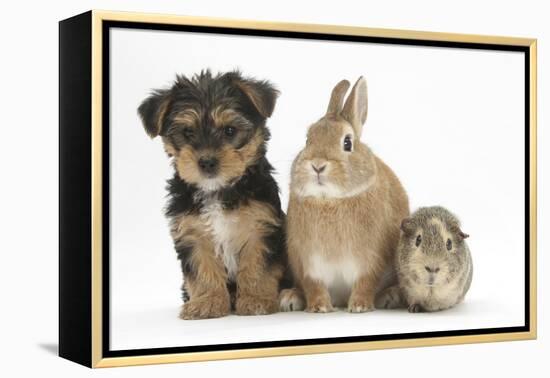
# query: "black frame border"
{"points": [[75, 195], [105, 28]]}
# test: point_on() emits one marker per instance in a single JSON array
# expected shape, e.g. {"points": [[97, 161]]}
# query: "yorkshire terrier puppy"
{"points": [[224, 209]]}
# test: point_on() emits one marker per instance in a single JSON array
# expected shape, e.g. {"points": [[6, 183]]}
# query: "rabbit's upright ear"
{"points": [[355, 108], [337, 97]]}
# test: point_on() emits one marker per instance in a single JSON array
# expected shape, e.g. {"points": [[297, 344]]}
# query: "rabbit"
{"points": [[345, 208], [433, 263]]}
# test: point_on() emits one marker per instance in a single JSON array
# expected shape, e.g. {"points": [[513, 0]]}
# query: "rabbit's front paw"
{"points": [[291, 300], [320, 305], [357, 305]]}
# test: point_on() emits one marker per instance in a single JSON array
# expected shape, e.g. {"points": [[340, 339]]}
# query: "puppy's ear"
{"points": [[261, 93], [355, 108], [153, 111]]}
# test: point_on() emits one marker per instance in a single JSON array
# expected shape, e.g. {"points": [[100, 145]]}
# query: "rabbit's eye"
{"points": [[418, 240], [347, 143], [449, 244]]}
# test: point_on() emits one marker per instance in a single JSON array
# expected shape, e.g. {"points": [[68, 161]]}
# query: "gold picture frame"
{"points": [[81, 257]]}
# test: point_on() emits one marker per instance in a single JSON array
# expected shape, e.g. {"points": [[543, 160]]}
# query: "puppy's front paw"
{"points": [[212, 306], [252, 305], [358, 305], [415, 307], [320, 305]]}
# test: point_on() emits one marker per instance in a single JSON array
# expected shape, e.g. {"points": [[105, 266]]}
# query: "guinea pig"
{"points": [[433, 263]]}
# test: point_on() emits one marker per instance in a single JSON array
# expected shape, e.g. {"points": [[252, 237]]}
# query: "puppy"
{"points": [[224, 208]]}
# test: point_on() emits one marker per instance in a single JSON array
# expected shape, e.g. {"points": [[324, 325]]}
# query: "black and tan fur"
{"points": [[224, 209]]}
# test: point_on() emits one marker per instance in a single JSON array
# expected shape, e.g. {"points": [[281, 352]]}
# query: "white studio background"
{"points": [[29, 162], [450, 122]]}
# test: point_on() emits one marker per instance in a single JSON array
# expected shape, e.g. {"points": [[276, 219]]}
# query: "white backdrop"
{"points": [[450, 122], [29, 162]]}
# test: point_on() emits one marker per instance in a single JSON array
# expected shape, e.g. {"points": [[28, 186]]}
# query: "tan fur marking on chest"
{"points": [[229, 230]]}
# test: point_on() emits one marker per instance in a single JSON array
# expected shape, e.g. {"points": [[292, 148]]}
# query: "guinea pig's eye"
{"points": [[449, 244], [418, 240], [229, 131], [347, 143]]}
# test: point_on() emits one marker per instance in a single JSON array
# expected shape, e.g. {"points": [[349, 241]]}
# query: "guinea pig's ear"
{"points": [[355, 108], [261, 93], [153, 111], [462, 235], [455, 229], [407, 226], [337, 97]]}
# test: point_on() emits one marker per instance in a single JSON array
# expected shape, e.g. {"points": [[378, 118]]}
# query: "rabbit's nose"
{"points": [[318, 168]]}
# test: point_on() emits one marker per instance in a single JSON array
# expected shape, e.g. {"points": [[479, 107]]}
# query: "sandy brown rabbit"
{"points": [[344, 212]]}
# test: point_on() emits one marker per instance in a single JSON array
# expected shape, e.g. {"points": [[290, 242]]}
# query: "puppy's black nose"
{"points": [[431, 270], [208, 164]]}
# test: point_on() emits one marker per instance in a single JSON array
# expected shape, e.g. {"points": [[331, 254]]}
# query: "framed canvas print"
{"points": [[235, 189]]}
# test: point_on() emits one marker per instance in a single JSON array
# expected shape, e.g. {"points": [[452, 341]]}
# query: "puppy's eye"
{"points": [[449, 244], [347, 143], [229, 131], [188, 132], [418, 240]]}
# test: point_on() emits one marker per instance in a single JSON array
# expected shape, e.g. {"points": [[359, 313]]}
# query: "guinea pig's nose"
{"points": [[431, 270]]}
